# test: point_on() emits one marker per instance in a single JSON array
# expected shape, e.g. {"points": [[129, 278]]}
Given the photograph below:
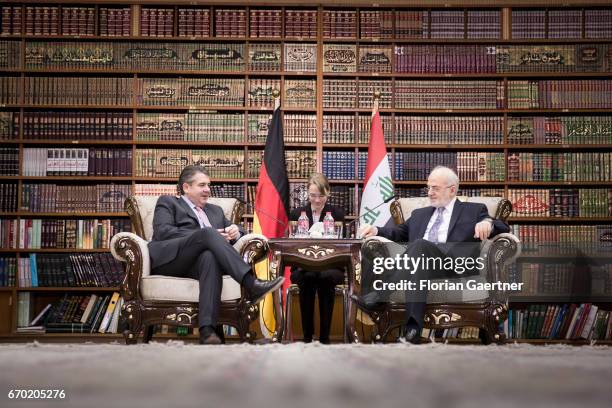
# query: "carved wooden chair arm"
{"points": [[134, 251], [252, 247], [499, 252]]}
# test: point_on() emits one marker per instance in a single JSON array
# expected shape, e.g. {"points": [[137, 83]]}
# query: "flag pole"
{"points": [[376, 99], [276, 95]]}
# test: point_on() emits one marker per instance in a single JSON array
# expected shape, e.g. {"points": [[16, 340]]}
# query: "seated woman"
{"points": [[321, 282]]}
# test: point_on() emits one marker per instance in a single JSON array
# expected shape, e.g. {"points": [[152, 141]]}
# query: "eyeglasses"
{"points": [[435, 189], [316, 196]]}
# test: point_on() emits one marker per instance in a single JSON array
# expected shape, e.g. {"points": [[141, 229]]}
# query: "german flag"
{"points": [[271, 206]]}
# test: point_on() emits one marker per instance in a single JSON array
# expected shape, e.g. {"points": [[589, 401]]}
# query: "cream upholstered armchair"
{"points": [[446, 309], [157, 299]]}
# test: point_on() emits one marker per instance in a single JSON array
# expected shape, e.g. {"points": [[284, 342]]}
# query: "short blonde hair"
{"points": [[321, 182]]}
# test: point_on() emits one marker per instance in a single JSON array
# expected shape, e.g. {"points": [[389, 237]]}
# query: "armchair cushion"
{"points": [[170, 288]]}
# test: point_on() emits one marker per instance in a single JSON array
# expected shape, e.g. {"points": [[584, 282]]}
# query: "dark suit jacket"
{"points": [[173, 222], [464, 218]]}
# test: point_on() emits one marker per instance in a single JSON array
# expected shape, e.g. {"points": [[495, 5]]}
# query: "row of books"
{"points": [[339, 165], [156, 22], [190, 91], [299, 163], [261, 92], [9, 161], [74, 198], [8, 271], [376, 23], [302, 57], [462, 333], [553, 166], [75, 21], [95, 313], [300, 93], [482, 166], [170, 162], [343, 129], [91, 161], [447, 130], [69, 270], [48, 20], [265, 23], [473, 24], [222, 190], [562, 239], [9, 89], [9, 233], [229, 127], [560, 130], [353, 58], [553, 94], [351, 93], [115, 21], [467, 94], [301, 23], [407, 192], [193, 22], [562, 321], [340, 23], [8, 197], [78, 91], [470, 166], [10, 54], [580, 278], [566, 23], [191, 126], [339, 93], [64, 233], [561, 202], [73, 125], [231, 22]]}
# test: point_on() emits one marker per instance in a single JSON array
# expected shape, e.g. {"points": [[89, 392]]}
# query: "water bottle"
{"points": [[303, 225], [329, 230]]}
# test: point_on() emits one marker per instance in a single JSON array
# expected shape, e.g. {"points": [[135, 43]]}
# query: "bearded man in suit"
{"points": [[444, 229], [192, 238]]}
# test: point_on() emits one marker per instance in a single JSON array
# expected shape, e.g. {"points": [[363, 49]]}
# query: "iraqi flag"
{"points": [[378, 185], [271, 207]]}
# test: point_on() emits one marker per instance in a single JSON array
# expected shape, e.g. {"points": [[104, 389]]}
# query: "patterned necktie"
{"points": [[433, 232], [203, 217]]}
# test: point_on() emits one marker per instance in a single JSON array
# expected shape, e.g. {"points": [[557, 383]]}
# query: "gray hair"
{"points": [[448, 173], [188, 174]]}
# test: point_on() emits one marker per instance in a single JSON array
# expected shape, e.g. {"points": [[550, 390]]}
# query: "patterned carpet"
{"points": [[174, 374]]}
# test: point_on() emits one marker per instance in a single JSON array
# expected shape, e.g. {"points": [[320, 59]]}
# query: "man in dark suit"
{"points": [[193, 238], [441, 230]]}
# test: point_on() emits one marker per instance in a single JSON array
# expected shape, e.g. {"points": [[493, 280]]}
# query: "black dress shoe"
{"points": [[368, 304], [211, 339], [261, 288], [413, 335]]}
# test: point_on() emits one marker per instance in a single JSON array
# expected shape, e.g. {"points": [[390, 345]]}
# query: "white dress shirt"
{"points": [[193, 208], [446, 217]]}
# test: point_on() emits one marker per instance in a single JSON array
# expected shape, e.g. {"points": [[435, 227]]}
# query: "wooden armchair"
{"points": [[448, 309], [157, 299]]}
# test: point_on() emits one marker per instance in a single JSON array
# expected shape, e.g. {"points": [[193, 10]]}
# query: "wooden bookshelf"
{"points": [[142, 71]]}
